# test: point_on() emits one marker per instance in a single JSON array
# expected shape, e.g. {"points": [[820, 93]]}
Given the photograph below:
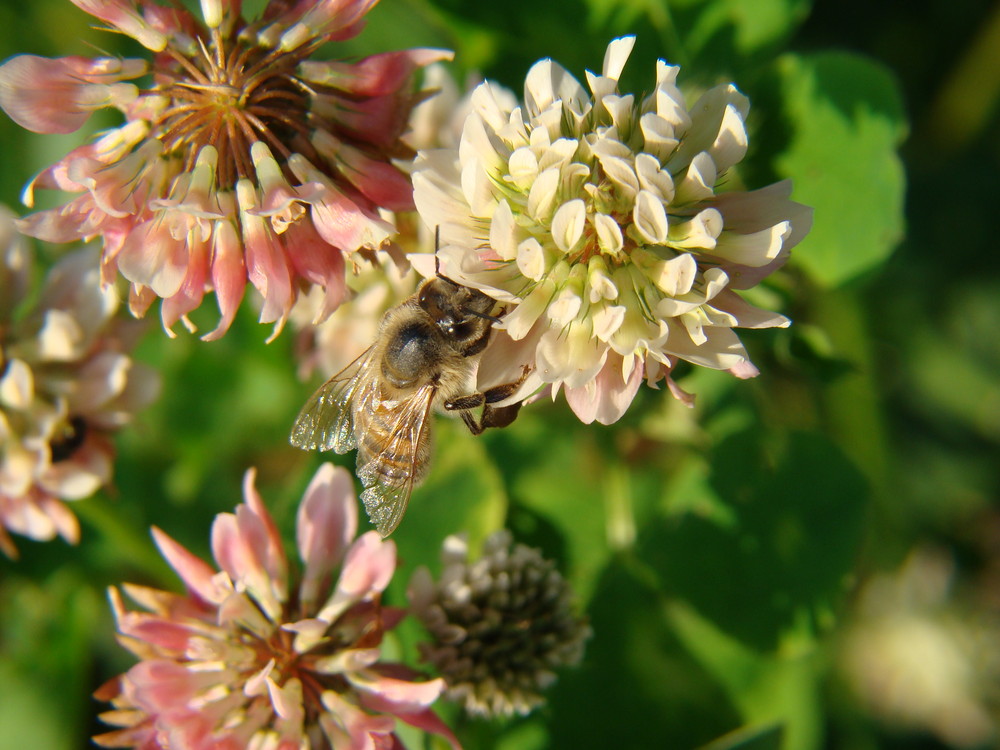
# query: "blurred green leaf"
{"points": [[638, 686], [46, 646], [733, 28], [846, 121], [777, 568], [771, 690], [751, 738]]}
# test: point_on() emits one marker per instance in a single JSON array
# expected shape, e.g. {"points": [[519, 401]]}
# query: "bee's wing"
{"points": [[326, 422], [389, 474]]}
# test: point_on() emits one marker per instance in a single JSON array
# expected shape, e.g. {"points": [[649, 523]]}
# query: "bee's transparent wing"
{"points": [[390, 474], [326, 422]]}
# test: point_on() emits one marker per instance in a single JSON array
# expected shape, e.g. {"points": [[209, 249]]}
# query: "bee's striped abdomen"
{"points": [[386, 451]]}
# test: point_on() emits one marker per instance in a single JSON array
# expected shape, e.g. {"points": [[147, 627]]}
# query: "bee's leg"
{"points": [[492, 416]]}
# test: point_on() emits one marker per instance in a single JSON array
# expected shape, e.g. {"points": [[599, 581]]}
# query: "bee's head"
{"points": [[462, 313]]}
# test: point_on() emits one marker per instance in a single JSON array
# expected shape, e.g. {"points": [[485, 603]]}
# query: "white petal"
{"points": [[621, 173], [670, 103], [542, 197], [572, 357], [477, 188], [603, 146], [650, 218], [756, 249], [531, 259], [479, 142], [523, 167], [503, 231], [17, 387], [568, 223], [675, 276], [484, 101], [654, 179], [699, 232], [558, 154], [61, 337], [609, 234], [620, 108], [721, 350], [564, 307], [519, 321], [730, 145], [607, 320], [708, 120], [616, 56], [549, 82], [599, 282], [698, 183], [658, 135]]}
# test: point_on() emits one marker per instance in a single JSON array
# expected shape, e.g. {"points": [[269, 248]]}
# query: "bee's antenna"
{"points": [[437, 259], [437, 246], [484, 316]]}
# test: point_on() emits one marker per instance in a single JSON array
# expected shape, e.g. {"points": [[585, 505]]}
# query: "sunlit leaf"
{"points": [[845, 121]]}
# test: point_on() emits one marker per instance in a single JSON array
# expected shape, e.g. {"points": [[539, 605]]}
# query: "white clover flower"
{"points": [[67, 384], [597, 217]]}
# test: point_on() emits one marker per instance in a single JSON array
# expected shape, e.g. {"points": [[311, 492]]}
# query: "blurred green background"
{"points": [[807, 560]]}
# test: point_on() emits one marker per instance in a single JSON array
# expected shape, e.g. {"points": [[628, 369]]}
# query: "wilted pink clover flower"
{"points": [[242, 159], [249, 658]]}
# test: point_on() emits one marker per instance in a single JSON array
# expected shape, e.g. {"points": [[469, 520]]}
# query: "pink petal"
{"points": [[266, 262], [326, 523], [153, 258], [379, 181], [167, 636], [369, 566], [367, 570], [376, 75], [319, 262], [46, 95], [745, 370], [197, 575], [192, 290], [123, 15], [78, 219], [395, 696], [275, 552], [158, 684], [229, 276], [429, 721], [607, 397], [62, 518]]}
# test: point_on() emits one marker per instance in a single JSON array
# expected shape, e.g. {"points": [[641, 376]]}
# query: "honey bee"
{"points": [[423, 358]]}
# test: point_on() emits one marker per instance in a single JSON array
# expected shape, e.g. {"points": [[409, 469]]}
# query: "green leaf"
{"points": [[771, 572], [770, 690], [638, 686], [749, 738], [743, 27], [47, 635], [846, 121]]}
